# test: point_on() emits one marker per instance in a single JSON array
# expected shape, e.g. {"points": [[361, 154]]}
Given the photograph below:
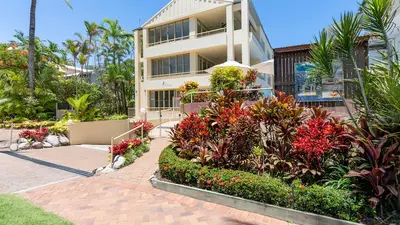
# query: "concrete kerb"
{"points": [[285, 214]]}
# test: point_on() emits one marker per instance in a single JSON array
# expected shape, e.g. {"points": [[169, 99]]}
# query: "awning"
{"points": [[265, 67], [229, 64]]}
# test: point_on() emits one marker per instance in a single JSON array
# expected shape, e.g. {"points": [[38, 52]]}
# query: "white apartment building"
{"points": [[185, 38]]}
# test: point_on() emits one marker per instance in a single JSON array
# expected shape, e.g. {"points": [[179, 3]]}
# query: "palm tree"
{"points": [[113, 35], [92, 30], [378, 19], [347, 32], [72, 47], [31, 54], [323, 56]]}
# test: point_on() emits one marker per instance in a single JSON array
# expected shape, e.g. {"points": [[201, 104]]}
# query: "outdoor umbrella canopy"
{"points": [[265, 67], [229, 64]]}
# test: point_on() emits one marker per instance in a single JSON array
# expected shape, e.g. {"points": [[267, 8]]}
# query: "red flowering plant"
{"points": [[189, 134], [147, 127], [37, 135], [126, 145], [319, 140], [12, 57]]}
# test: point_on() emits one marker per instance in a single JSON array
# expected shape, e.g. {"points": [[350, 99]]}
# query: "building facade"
{"points": [[185, 38]]}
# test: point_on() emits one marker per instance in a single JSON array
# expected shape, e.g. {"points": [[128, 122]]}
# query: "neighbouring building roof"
{"points": [[293, 48]]}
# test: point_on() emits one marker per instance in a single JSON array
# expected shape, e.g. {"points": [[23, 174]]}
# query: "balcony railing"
{"points": [[211, 32], [178, 74], [203, 34]]}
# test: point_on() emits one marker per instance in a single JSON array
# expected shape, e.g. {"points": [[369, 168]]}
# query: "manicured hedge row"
{"points": [[315, 199]]}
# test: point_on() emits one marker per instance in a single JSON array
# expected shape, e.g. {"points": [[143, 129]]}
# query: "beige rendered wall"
{"points": [[98, 132]]}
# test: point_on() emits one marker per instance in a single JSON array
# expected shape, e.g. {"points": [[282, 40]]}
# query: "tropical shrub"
{"points": [[325, 201], [376, 166], [37, 135], [125, 146], [147, 127], [82, 108], [226, 78], [188, 134]]}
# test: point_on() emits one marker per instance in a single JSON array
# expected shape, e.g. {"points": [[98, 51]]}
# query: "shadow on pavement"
{"points": [[48, 164]]}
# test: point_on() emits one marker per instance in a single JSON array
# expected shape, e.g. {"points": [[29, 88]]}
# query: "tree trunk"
{"points": [[76, 79], [360, 80], [31, 56]]}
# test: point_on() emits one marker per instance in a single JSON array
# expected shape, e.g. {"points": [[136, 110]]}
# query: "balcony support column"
{"points": [[193, 63], [230, 33], [138, 72], [245, 33], [192, 27]]}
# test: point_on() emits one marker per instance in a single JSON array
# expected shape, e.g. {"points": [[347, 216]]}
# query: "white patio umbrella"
{"points": [[265, 67], [229, 64]]}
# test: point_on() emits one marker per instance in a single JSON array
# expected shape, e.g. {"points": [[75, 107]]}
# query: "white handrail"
{"points": [[128, 132]]}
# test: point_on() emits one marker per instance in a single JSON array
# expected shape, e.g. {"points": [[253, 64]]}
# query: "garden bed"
{"points": [[316, 199]]}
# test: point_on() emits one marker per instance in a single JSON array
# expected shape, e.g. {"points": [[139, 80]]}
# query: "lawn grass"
{"points": [[17, 211]]}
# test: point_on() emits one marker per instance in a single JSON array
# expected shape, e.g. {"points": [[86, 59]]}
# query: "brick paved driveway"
{"points": [[32, 168], [126, 197]]}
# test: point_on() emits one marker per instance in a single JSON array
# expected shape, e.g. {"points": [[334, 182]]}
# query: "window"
{"points": [[172, 63], [179, 59], [164, 33], [151, 35], [158, 34], [166, 66], [178, 30], [154, 68], [186, 31], [186, 63], [204, 64], [171, 31], [163, 99]]}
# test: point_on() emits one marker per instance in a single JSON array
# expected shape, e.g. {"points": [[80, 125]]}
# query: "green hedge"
{"points": [[315, 199]]}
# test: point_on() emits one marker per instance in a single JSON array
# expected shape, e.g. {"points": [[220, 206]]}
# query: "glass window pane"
{"points": [[161, 99], [171, 31], [152, 99], [172, 62], [159, 67], [164, 33], [171, 98], [156, 99], [186, 28], [187, 63], [166, 66], [158, 35], [180, 63], [178, 29], [154, 67], [151, 34], [166, 99]]}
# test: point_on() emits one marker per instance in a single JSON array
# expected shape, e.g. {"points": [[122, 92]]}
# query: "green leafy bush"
{"points": [[134, 153], [226, 78], [315, 199]]}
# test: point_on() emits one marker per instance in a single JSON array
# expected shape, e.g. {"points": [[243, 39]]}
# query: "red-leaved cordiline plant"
{"points": [[189, 134], [376, 164], [37, 135], [124, 146], [147, 127], [279, 118]]}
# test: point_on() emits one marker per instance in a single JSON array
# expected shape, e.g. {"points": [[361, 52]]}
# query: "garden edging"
{"points": [[290, 215]]}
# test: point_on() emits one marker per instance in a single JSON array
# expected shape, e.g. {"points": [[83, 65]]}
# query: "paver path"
{"points": [[126, 197]]}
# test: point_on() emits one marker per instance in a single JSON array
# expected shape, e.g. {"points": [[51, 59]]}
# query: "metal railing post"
{"points": [[112, 151], [142, 131], [11, 133]]}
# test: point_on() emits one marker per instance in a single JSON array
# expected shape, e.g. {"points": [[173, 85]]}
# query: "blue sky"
{"points": [[286, 22]]}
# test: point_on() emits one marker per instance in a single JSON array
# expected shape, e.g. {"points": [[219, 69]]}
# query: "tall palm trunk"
{"points": [[31, 56], [360, 80], [76, 79]]}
